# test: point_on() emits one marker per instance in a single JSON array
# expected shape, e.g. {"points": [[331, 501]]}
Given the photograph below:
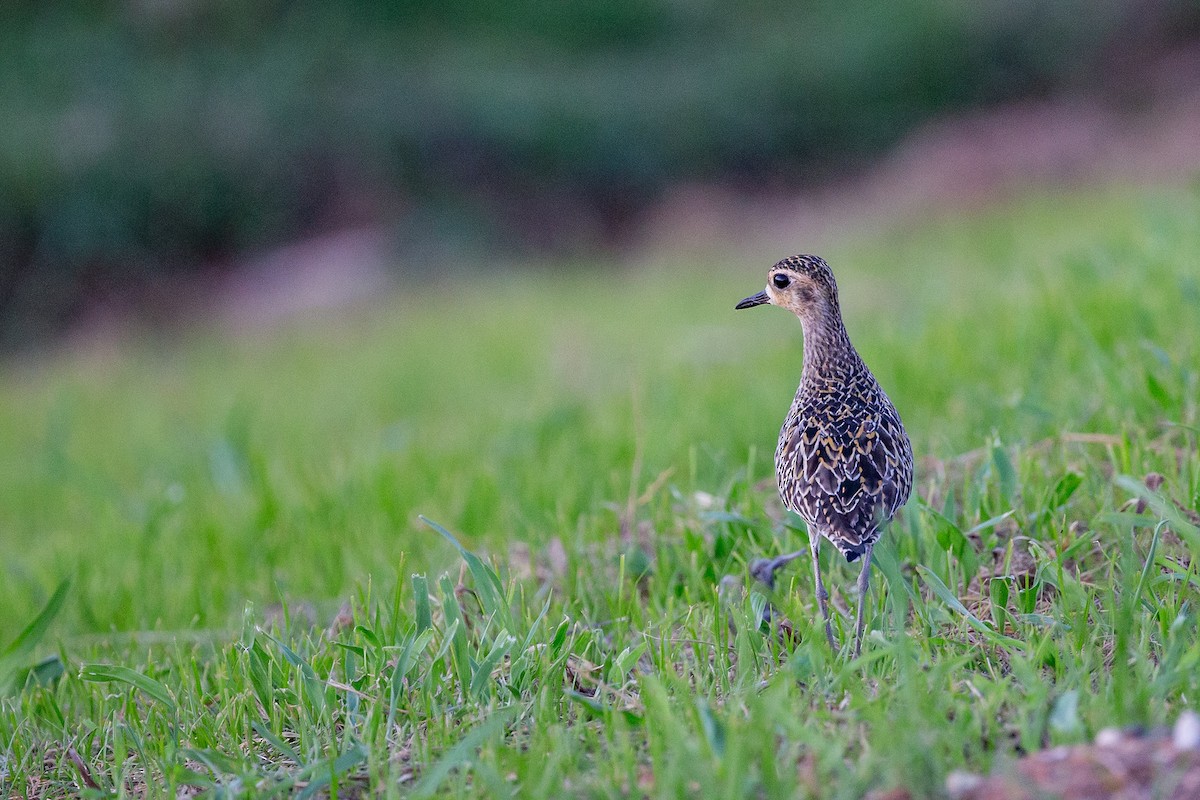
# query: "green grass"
{"points": [[255, 607]]}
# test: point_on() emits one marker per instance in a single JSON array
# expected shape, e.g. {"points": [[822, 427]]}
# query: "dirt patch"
{"points": [[1119, 765]]}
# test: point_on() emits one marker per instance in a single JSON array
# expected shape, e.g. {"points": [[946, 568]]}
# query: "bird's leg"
{"points": [[814, 546], [764, 570], [863, 578]]}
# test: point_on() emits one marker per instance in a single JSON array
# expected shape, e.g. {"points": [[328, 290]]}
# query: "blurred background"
{"points": [[163, 160]]}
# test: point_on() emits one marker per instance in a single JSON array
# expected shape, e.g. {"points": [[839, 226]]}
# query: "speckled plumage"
{"points": [[844, 462]]}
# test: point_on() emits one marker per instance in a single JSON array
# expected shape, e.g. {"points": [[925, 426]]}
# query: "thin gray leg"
{"points": [[863, 578], [814, 546]]}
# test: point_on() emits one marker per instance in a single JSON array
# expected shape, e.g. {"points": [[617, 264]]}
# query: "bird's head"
{"points": [[802, 284]]}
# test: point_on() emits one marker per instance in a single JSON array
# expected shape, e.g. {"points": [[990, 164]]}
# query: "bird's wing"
{"points": [[845, 470]]}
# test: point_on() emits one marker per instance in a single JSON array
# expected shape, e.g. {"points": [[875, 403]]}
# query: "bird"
{"points": [[844, 462]]}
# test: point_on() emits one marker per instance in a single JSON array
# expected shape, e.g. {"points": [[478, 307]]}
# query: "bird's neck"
{"points": [[828, 353]]}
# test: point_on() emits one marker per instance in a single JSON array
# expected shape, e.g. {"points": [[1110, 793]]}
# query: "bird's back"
{"points": [[844, 462]]}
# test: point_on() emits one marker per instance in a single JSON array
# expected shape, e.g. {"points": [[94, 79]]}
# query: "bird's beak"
{"points": [[754, 300]]}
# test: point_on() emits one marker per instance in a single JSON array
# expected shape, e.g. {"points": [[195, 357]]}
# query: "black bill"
{"points": [[754, 300]]}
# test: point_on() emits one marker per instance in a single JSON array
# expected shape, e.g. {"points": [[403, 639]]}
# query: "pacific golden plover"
{"points": [[844, 463]]}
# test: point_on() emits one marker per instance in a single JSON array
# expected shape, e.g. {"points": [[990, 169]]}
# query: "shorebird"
{"points": [[844, 463]]}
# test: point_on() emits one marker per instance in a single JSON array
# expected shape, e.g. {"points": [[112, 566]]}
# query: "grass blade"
{"points": [[321, 773], [32, 634], [314, 687], [946, 596], [104, 673], [1164, 508], [279, 744], [13, 671], [412, 648], [460, 755], [456, 634], [421, 610], [487, 582], [324, 773], [482, 679]]}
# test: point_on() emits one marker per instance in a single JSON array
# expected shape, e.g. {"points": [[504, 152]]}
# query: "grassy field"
{"points": [[253, 607]]}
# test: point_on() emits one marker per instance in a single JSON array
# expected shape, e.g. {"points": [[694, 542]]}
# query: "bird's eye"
{"points": [[780, 280]]}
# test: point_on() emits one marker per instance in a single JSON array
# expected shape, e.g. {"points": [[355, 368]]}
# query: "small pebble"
{"points": [[1108, 737], [1186, 735]]}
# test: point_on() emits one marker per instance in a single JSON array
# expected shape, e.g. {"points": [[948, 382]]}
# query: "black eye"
{"points": [[780, 280]]}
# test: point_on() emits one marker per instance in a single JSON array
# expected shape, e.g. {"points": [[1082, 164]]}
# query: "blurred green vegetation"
{"points": [[143, 138]]}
